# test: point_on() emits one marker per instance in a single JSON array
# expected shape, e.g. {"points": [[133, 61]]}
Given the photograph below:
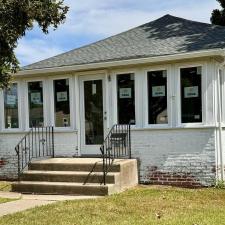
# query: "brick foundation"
{"points": [[173, 179]]}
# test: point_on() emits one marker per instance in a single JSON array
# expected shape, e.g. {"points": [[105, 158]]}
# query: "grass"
{"points": [[5, 186], [140, 206], [4, 200]]}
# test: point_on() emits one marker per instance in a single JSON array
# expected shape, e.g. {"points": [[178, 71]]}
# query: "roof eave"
{"points": [[111, 64]]}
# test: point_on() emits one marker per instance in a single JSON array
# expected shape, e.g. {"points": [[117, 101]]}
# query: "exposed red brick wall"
{"points": [[3, 162], [174, 179]]}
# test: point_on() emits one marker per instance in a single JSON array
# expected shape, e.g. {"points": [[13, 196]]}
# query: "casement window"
{"points": [[157, 97], [126, 98], [11, 107], [35, 99], [191, 94], [62, 103]]}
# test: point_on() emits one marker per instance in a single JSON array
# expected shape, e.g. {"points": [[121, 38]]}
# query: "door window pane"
{"points": [[157, 97], [93, 106], [35, 96], [191, 95], [62, 103], [11, 107], [126, 99]]}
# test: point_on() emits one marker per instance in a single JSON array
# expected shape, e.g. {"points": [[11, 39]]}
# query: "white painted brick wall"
{"points": [[8, 155], [178, 151], [66, 144]]}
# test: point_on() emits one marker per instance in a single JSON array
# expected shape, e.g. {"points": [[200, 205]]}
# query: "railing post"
{"points": [[103, 164], [53, 144], [129, 141], [18, 157]]}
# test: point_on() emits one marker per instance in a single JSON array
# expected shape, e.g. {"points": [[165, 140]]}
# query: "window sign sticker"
{"points": [[35, 98], [62, 96], [125, 93], [94, 89], [197, 117], [191, 92], [11, 100], [158, 91], [9, 121]]}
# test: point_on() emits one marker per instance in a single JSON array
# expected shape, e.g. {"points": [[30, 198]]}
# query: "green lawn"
{"points": [[5, 186], [140, 206], [4, 200]]}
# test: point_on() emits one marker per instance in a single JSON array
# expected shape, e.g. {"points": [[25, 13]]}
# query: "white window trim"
{"points": [[178, 68], [169, 97], [71, 103], [222, 94], [114, 94], [4, 129]]}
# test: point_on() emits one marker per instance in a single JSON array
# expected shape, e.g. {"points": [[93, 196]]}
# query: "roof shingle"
{"points": [[167, 35]]}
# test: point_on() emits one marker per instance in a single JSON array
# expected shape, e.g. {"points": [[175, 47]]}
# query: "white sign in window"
{"points": [[191, 92], [35, 98], [62, 96], [125, 93], [158, 91], [11, 100]]}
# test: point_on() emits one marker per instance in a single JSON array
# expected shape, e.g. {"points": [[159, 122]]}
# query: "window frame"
{"points": [[45, 100], [71, 97], [203, 94], [115, 94], [4, 129], [222, 90], [146, 100]]}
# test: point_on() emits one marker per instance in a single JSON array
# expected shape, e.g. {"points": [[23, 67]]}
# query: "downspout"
{"points": [[220, 120]]}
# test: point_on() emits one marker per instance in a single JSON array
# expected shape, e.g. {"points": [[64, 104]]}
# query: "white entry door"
{"points": [[93, 113]]}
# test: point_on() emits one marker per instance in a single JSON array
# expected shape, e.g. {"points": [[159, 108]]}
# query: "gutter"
{"points": [[110, 64]]}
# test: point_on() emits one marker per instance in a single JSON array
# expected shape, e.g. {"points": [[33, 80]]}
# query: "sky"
{"points": [[92, 20]]}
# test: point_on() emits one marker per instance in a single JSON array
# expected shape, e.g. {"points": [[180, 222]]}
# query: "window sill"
{"points": [[19, 131], [13, 131], [65, 130], [157, 126], [173, 128]]}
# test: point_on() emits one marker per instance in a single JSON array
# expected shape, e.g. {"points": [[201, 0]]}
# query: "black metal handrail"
{"points": [[117, 145], [37, 143]]}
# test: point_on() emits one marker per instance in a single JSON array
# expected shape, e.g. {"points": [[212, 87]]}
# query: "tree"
{"points": [[16, 18], [218, 16]]}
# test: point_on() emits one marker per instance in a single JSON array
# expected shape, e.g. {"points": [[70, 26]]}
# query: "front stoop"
{"points": [[77, 176]]}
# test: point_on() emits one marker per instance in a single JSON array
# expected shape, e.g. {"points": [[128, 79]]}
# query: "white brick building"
{"points": [[166, 78]]}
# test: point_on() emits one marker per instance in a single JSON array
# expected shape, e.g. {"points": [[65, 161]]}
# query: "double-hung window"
{"points": [[157, 97], [11, 113], [191, 94]]}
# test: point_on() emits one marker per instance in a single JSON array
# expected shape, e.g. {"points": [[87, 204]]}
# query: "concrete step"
{"points": [[77, 176], [72, 164], [69, 176], [38, 187]]}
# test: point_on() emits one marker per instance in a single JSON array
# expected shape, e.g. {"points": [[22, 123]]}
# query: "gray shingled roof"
{"points": [[167, 35]]}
